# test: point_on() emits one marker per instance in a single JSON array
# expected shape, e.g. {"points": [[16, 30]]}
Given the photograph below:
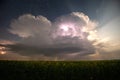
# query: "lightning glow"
{"points": [[2, 50]]}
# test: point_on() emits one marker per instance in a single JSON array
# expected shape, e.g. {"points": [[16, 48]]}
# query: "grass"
{"points": [[60, 70]]}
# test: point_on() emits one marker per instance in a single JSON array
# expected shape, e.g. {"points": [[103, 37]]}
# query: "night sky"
{"points": [[59, 29]]}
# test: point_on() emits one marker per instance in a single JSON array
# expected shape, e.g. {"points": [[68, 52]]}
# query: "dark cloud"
{"points": [[47, 51]]}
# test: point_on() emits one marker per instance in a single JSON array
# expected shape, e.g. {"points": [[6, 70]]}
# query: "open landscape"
{"points": [[60, 70], [59, 39]]}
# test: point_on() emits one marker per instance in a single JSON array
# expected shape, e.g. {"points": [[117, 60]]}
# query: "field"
{"points": [[60, 70]]}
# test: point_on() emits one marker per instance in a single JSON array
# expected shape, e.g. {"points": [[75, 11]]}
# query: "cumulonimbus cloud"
{"points": [[41, 36]]}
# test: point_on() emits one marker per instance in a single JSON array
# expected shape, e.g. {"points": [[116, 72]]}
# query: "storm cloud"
{"points": [[40, 36]]}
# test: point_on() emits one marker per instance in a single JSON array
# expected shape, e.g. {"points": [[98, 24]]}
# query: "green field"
{"points": [[60, 70]]}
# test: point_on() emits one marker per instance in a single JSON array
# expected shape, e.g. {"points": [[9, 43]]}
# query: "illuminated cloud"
{"points": [[28, 25], [33, 29], [66, 35], [60, 35], [69, 37]]}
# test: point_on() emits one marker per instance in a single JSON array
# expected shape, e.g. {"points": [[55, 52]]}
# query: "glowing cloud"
{"points": [[72, 36], [64, 36]]}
